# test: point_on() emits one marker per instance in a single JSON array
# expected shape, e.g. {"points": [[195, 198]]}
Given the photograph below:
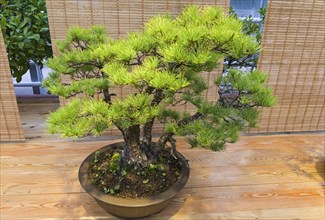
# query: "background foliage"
{"points": [[24, 25]]}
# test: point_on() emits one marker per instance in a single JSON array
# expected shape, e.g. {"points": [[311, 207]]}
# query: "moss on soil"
{"points": [[131, 182]]}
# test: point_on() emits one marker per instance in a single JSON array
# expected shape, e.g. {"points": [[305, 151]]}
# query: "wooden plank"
{"points": [[34, 112], [65, 180], [268, 148], [189, 202], [249, 157], [305, 213], [261, 177], [278, 143]]}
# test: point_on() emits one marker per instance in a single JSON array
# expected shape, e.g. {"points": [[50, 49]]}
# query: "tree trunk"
{"points": [[151, 150], [168, 136], [147, 133], [147, 139], [134, 154], [132, 135], [107, 97]]}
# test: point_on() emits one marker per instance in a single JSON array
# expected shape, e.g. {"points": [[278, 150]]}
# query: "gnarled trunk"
{"points": [[132, 135], [133, 153], [151, 150], [147, 140]]}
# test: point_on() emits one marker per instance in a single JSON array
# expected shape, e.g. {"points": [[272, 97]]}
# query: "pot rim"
{"points": [[131, 202]]}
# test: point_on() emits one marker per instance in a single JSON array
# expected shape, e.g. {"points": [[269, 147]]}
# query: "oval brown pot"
{"points": [[132, 208]]}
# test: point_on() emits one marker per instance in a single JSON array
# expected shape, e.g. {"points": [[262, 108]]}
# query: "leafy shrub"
{"points": [[26, 34]]}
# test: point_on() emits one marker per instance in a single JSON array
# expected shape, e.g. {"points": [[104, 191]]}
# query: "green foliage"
{"points": [[133, 110], [249, 27], [83, 38], [157, 166], [253, 30], [211, 135], [251, 88], [26, 34], [170, 114], [80, 117], [114, 190], [145, 75], [218, 125], [115, 163], [88, 86], [83, 53], [96, 157], [164, 64]]}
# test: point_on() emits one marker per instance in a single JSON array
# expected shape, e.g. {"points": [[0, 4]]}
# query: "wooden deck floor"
{"points": [[260, 177]]}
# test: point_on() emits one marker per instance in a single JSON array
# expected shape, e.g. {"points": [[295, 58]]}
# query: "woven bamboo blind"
{"points": [[119, 17], [10, 126], [293, 55]]}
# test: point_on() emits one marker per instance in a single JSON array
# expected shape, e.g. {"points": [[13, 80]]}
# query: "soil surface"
{"points": [[111, 176]]}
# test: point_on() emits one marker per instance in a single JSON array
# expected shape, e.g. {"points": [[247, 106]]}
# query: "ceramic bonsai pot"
{"points": [[132, 208]]}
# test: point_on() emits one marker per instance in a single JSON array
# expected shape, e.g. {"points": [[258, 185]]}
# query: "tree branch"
{"points": [[168, 136]]}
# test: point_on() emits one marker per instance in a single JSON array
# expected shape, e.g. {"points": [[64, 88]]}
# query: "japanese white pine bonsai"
{"points": [[165, 65]]}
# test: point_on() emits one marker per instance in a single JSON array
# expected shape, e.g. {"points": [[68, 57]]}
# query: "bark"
{"points": [[141, 154], [168, 136], [147, 146], [132, 135], [147, 138], [189, 119], [108, 96], [133, 153]]}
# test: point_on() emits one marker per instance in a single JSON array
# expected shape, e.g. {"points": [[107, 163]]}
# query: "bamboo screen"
{"points": [[10, 127], [119, 17], [293, 54]]}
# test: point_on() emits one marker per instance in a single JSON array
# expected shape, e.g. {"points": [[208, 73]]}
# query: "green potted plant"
{"points": [[164, 65]]}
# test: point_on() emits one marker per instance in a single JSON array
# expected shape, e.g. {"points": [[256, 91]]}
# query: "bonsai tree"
{"points": [[26, 34], [164, 65]]}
